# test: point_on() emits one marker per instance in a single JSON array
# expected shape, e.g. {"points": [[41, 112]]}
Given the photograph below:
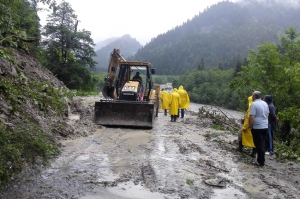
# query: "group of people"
{"points": [[177, 100], [258, 127], [258, 124]]}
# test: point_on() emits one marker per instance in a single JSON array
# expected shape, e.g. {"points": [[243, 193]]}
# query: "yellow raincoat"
{"points": [[185, 99], [174, 102], [164, 98], [247, 139]]}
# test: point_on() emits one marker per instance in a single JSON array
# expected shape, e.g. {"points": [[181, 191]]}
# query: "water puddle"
{"points": [[161, 146], [227, 193], [126, 190]]}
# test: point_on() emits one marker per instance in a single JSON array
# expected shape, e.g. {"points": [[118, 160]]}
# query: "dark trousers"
{"points": [[259, 136], [270, 138], [182, 113]]}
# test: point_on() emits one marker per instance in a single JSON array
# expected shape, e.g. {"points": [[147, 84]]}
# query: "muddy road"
{"points": [[187, 159]]}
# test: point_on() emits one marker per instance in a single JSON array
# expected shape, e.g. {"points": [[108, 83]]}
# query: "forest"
{"points": [[272, 69], [220, 36], [219, 62], [62, 46]]}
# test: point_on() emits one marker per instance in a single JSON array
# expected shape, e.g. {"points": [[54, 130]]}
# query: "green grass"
{"points": [[189, 181]]}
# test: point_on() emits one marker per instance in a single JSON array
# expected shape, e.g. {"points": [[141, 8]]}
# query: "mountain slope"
{"points": [[104, 43], [220, 36], [127, 45]]}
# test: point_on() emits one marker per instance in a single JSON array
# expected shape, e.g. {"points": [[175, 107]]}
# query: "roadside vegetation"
{"points": [[24, 142], [272, 69], [275, 69]]}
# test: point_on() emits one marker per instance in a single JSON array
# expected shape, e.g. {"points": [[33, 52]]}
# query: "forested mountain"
{"points": [[104, 43], [220, 36], [127, 45]]}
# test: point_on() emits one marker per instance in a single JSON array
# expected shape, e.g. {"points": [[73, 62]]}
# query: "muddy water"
{"points": [[171, 161]]}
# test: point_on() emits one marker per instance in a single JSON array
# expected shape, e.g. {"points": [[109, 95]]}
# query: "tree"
{"points": [[68, 51], [238, 68], [201, 65], [275, 71], [19, 24], [290, 46]]}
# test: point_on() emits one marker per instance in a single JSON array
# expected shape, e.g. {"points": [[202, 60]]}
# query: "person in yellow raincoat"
{"points": [[246, 137], [174, 102], [164, 98], [185, 100]]}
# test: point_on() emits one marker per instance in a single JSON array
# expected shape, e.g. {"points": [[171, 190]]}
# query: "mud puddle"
{"points": [[227, 193], [126, 190]]}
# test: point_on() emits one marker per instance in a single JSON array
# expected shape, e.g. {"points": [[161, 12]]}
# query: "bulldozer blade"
{"points": [[124, 113]]}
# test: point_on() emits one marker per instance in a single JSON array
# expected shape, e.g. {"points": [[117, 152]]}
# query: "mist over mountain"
{"points": [[104, 43], [287, 3], [220, 36], [128, 47]]}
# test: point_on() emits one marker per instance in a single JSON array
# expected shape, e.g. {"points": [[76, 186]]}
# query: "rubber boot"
{"points": [[253, 153], [240, 148], [172, 118], [175, 117], [165, 111], [182, 113]]}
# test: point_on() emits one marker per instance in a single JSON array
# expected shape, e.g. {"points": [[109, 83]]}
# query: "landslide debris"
{"points": [[34, 108]]}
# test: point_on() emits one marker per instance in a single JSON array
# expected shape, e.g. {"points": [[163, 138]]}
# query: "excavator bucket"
{"points": [[124, 113], [108, 92]]}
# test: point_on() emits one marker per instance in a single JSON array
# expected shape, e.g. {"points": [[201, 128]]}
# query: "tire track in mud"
{"points": [[175, 165]]}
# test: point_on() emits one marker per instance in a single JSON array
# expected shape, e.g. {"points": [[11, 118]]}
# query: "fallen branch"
{"points": [[213, 116], [236, 128], [225, 115]]}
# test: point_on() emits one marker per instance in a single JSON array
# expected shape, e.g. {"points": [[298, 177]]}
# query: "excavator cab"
{"points": [[132, 88], [128, 102]]}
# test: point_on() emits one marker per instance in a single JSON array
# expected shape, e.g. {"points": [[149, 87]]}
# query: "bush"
{"points": [[288, 147], [24, 145]]}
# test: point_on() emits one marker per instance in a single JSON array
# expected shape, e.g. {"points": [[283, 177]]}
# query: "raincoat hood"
{"points": [[249, 101], [268, 99], [175, 90], [180, 88]]}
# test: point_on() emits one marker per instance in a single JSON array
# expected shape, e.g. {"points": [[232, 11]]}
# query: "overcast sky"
{"points": [[141, 19]]}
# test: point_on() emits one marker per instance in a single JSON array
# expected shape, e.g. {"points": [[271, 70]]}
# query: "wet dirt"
{"points": [[170, 161]]}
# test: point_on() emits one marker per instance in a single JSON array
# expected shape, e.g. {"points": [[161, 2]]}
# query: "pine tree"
{"points": [[69, 51]]}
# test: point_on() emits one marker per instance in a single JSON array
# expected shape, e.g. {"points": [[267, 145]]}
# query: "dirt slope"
{"points": [[27, 69]]}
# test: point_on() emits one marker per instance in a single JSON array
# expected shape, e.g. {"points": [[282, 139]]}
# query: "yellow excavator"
{"points": [[129, 101]]}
